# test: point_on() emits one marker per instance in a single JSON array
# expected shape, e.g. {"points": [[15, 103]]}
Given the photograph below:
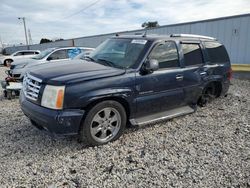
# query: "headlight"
{"points": [[53, 97], [20, 66]]}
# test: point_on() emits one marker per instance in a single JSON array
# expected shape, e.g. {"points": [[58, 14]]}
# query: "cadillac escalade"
{"points": [[126, 80]]}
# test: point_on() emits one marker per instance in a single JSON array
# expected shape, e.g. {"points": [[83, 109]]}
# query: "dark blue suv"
{"points": [[126, 80]]}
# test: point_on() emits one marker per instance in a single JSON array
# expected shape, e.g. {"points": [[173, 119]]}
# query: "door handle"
{"points": [[179, 77]]}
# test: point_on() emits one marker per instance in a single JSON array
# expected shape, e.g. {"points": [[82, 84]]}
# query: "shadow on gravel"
{"points": [[29, 138]]}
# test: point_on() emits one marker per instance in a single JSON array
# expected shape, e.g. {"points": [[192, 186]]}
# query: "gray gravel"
{"points": [[210, 148]]}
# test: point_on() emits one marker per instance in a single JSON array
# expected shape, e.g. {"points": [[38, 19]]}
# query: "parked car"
{"points": [[136, 79], [8, 59], [18, 68]]}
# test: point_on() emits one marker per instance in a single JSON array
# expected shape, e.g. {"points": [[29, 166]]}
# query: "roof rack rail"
{"points": [[138, 33], [194, 36]]}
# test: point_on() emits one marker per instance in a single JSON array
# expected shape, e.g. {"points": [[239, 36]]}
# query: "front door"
{"points": [[162, 89]]}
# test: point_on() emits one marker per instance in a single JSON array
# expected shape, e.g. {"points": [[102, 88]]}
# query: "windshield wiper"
{"points": [[89, 58], [109, 63]]}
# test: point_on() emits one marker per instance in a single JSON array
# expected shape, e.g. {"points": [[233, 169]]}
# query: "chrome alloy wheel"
{"points": [[105, 124]]}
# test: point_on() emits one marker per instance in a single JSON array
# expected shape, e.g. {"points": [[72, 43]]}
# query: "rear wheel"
{"points": [[208, 94], [104, 122]]}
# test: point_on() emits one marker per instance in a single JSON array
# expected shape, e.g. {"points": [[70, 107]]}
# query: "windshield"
{"points": [[43, 54], [119, 53]]}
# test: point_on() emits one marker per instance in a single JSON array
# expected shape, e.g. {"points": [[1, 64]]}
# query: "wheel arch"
{"points": [[5, 63], [218, 86], [217, 91], [118, 99]]}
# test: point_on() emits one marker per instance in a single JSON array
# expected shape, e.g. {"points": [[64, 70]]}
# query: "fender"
{"points": [[81, 95], [124, 94]]}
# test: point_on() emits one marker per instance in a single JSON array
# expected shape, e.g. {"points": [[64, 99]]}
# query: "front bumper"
{"points": [[63, 122], [17, 73]]}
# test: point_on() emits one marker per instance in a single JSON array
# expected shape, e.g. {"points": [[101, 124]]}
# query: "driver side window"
{"points": [[60, 54], [166, 54]]}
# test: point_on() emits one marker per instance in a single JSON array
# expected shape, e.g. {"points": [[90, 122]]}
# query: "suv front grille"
{"points": [[31, 87]]}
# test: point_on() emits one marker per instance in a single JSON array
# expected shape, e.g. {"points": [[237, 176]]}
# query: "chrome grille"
{"points": [[31, 87]]}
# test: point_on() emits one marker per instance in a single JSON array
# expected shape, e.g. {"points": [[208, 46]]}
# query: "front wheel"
{"points": [[104, 122], [8, 62]]}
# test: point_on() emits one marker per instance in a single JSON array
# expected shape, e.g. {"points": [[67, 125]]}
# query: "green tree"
{"points": [[44, 40], [150, 24]]}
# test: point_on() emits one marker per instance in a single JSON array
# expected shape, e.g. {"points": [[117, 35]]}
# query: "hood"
{"points": [[4, 56], [73, 71]]}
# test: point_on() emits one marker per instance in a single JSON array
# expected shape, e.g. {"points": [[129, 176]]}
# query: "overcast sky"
{"points": [[76, 18]]}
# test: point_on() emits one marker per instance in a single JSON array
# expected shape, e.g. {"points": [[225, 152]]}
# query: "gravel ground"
{"points": [[210, 148]]}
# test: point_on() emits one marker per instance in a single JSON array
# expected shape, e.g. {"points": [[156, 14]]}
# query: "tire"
{"points": [[105, 122], [7, 62], [208, 94]]}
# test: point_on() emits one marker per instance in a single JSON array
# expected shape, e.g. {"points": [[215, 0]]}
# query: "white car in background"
{"points": [[51, 55], [7, 59]]}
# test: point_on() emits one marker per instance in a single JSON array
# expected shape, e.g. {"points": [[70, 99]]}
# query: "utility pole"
{"points": [[30, 39], [1, 41], [25, 31]]}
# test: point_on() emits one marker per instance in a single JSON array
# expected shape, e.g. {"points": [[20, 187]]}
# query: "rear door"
{"points": [[193, 71], [160, 90]]}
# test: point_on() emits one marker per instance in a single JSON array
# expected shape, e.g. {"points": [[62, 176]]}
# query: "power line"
{"points": [[85, 8]]}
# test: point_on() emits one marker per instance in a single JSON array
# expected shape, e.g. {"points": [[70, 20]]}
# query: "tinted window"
{"points": [[28, 53], [60, 54], [36, 52], [216, 52], [166, 54], [192, 54]]}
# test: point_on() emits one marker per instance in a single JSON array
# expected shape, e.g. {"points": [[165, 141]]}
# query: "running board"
{"points": [[162, 115]]}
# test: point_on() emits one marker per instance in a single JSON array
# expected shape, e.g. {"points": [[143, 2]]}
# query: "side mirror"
{"points": [[49, 58], [151, 65]]}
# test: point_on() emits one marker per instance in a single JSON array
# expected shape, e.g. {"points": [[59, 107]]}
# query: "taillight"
{"points": [[230, 74]]}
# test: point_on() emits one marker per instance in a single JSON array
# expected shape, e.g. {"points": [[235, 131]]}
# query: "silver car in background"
{"points": [[51, 55], [8, 59]]}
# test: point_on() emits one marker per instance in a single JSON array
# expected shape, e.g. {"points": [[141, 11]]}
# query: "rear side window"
{"points": [[74, 52], [192, 54], [216, 52], [28, 53], [166, 54]]}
